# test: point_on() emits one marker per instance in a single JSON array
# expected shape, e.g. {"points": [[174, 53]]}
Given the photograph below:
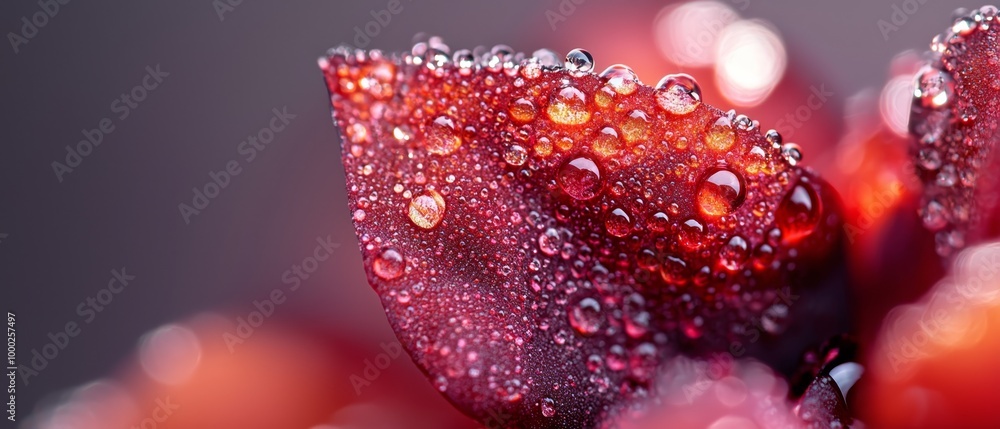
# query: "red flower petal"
{"points": [[954, 124], [543, 237]]}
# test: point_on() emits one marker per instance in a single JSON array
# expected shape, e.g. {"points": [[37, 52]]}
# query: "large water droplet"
{"points": [[550, 241], [515, 155], [606, 143], [586, 316], [579, 60], [389, 264], [523, 110], [678, 94], [733, 254], [580, 178], [427, 209], [568, 107], [548, 407], [720, 192], [636, 126], [934, 88], [720, 135], [621, 79], [618, 223], [442, 136], [799, 212]]}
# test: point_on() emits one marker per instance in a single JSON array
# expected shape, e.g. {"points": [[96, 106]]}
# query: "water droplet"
{"points": [[546, 57], [934, 88], [678, 94], [674, 270], [616, 358], [659, 222], [523, 110], [934, 215], [775, 318], [774, 138], [618, 223], [946, 177], [621, 79], [427, 209], [442, 136], [568, 107], [606, 143], [389, 264], [792, 153], [586, 316], [964, 26], [548, 407], [929, 158], [550, 241], [636, 126], [579, 60], [720, 135], [733, 254], [799, 212], [515, 155], [720, 192], [690, 234], [580, 178], [359, 215], [465, 60]]}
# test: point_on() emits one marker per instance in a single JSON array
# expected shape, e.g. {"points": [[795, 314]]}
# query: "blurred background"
{"points": [[172, 91]]}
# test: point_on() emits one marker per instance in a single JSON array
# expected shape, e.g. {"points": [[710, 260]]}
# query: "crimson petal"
{"points": [[542, 236]]}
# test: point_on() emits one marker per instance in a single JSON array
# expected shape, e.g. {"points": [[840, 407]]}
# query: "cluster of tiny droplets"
{"points": [[948, 157], [574, 275]]}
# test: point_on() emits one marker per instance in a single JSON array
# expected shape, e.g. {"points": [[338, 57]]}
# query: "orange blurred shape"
{"points": [[935, 362]]}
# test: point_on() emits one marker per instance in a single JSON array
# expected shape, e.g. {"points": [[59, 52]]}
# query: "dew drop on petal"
{"points": [[389, 264], [721, 192], [442, 136], [621, 79], [792, 153], [523, 110], [579, 60], [568, 107], [427, 209], [678, 94], [515, 155], [586, 316], [618, 223], [720, 135], [580, 178], [934, 88], [733, 254], [799, 213], [548, 407]]}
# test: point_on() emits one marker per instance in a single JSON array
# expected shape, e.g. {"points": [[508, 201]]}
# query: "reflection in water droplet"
{"points": [[720, 135], [442, 136], [733, 254], [427, 209], [792, 153], [586, 316], [621, 79], [606, 143], [799, 213], [934, 88], [515, 155], [568, 107], [579, 60], [721, 192], [548, 407], [523, 110], [618, 223], [550, 241], [580, 178], [389, 264], [678, 94], [636, 126]]}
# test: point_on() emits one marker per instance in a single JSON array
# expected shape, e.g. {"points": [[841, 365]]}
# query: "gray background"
{"points": [[119, 208]]}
